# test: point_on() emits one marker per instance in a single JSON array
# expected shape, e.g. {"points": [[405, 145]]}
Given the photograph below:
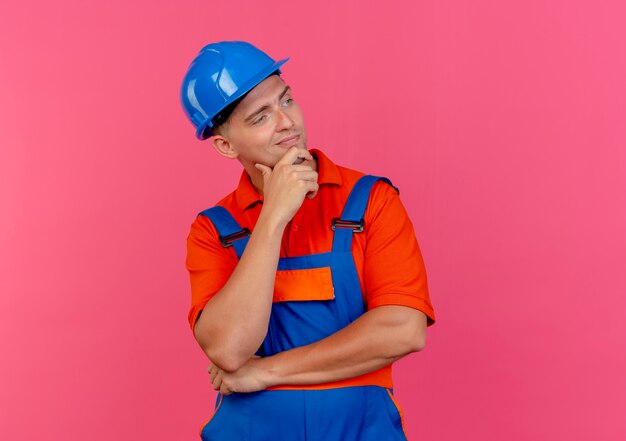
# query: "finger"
{"points": [[214, 368], [264, 169], [225, 390], [305, 154], [306, 176], [313, 189], [292, 154], [297, 167], [217, 381], [289, 157]]}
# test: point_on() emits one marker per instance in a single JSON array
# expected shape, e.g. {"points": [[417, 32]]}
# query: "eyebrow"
{"points": [[264, 107]]}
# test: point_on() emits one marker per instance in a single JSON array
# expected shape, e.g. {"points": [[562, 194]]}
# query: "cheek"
{"points": [[257, 138]]}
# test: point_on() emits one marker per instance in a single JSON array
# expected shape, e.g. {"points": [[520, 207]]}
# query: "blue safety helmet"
{"points": [[218, 77]]}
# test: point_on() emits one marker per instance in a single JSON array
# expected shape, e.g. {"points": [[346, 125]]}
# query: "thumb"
{"points": [[265, 170]]}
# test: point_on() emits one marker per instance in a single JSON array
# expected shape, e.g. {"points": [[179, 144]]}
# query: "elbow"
{"points": [[413, 343], [415, 338], [417, 332], [408, 341], [407, 329], [222, 355], [226, 360], [418, 342]]}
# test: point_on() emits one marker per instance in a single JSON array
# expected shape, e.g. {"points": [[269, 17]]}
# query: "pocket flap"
{"points": [[304, 284]]}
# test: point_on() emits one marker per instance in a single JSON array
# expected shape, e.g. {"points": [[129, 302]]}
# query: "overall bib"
{"points": [[315, 296]]}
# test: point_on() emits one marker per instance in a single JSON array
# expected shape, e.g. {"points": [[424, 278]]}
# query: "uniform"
{"points": [[326, 278]]}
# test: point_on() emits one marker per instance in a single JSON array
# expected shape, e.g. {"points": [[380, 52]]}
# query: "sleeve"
{"points": [[209, 265], [393, 271]]}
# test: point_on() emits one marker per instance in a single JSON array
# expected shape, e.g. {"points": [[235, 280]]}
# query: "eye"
{"points": [[287, 101], [260, 119]]}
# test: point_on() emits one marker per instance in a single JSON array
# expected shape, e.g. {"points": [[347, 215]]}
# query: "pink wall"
{"points": [[502, 123]]}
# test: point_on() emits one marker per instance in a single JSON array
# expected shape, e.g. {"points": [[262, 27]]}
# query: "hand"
{"points": [[286, 186], [248, 378]]}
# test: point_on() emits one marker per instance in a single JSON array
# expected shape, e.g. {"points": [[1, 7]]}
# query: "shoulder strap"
{"points": [[352, 218], [231, 233]]}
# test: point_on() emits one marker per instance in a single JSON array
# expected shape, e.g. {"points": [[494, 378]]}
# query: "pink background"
{"points": [[503, 123]]}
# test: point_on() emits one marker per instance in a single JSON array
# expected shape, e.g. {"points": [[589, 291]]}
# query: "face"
{"points": [[264, 125]]}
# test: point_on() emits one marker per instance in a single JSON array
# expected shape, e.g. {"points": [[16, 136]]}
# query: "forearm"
{"points": [[234, 323], [378, 338]]}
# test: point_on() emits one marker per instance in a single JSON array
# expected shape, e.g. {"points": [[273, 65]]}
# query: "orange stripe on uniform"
{"points": [[209, 420], [381, 377], [399, 411]]}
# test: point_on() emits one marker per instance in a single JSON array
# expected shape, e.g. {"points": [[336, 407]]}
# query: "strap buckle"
{"points": [[356, 226], [227, 241]]}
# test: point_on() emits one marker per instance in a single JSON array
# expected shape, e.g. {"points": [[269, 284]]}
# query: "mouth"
{"points": [[289, 141]]}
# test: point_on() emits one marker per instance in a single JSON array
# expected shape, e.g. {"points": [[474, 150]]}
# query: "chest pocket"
{"points": [[298, 285]]}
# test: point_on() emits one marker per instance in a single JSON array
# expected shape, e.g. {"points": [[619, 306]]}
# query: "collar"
{"points": [[328, 174]]}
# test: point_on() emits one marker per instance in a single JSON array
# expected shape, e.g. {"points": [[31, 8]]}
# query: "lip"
{"points": [[290, 140]]}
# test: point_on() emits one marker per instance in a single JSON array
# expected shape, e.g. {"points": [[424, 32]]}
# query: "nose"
{"points": [[285, 122]]}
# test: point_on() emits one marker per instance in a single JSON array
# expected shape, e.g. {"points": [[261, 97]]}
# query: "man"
{"points": [[307, 280]]}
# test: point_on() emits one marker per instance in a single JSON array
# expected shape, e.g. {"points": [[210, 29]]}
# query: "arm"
{"points": [[377, 338], [394, 275], [234, 322]]}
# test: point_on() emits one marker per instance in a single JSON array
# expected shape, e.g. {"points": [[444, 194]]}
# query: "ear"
{"points": [[223, 146]]}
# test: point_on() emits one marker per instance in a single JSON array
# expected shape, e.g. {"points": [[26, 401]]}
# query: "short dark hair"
{"points": [[224, 114]]}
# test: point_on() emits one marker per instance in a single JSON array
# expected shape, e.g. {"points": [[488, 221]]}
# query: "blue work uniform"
{"points": [[355, 413]]}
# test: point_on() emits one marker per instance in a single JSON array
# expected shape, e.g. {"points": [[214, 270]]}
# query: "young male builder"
{"points": [[307, 280]]}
